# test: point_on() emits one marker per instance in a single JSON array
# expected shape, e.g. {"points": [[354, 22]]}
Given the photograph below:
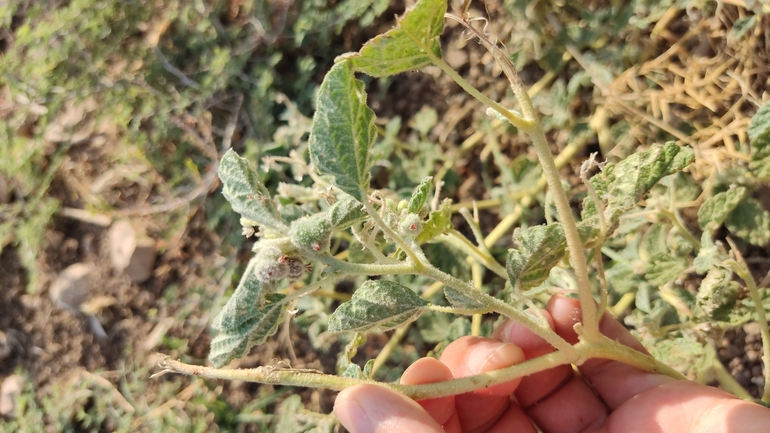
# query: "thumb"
{"points": [[374, 409]]}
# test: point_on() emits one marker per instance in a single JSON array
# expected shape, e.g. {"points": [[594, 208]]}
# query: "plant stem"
{"points": [[674, 218], [607, 349], [575, 246], [542, 330], [457, 239], [388, 231], [742, 269]]}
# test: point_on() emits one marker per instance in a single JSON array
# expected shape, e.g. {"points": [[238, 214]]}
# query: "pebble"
{"points": [[70, 289], [131, 252], [10, 390]]}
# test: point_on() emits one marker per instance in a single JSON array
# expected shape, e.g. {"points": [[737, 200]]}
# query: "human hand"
{"points": [[607, 396]]}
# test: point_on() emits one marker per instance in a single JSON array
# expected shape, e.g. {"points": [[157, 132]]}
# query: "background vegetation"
{"points": [[122, 109]]}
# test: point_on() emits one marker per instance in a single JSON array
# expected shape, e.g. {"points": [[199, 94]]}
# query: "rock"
{"points": [[131, 252], [10, 391], [70, 289]]}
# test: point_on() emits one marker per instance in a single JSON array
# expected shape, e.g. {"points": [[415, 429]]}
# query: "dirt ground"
{"points": [[170, 312]]}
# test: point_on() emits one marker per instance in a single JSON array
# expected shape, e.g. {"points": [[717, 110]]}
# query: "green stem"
{"points": [[457, 239], [494, 304], [674, 218], [388, 231], [607, 349], [742, 269], [459, 311]]}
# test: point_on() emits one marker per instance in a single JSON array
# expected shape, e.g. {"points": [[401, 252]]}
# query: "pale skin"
{"points": [[605, 397]]}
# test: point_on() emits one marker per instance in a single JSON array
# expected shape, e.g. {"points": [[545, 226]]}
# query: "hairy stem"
{"points": [[388, 231], [457, 239]]}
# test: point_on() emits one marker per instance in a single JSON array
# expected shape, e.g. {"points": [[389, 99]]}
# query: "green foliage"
{"points": [[311, 233], [717, 294], [345, 213], [245, 320], [540, 249], [343, 131], [750, 222], [716, 209], [664, 268], [404, 48], [378, 306], [420, 196], [246, 193], [759, 134]]}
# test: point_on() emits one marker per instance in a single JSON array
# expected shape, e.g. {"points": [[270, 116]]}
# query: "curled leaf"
{"points": [[377, 305], [245, 193]]}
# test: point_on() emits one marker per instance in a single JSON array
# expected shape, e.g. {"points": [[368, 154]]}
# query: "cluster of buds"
{"points": [[273, 265]]}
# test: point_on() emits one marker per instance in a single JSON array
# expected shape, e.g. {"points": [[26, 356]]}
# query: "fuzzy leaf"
{"points": [[540, 249], [377, 305], [759, 134], [420, 195], [459, 300], [345, 213], [245, 193], [252, 326], [750, 222], [708, 255], [404, 47], [311, 233], [717, 294], [624, 184], [665, 268], [715, 210], [343, 131]]}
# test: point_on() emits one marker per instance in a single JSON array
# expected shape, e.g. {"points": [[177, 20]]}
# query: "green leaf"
{"points": [[343, 131], [715, 210], [459, 300], [750, 222], [245, 193], [540, 249], [624, 184], [665, 268], [759, 134], [420, 196], [404, 48], [708, 255], [377, 305], [345, 213], [243, 323], [717, 294], [439, 222]]}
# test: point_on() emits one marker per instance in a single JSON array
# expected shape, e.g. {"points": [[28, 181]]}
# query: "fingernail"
{"points": [[352, 415], [492, 356]]}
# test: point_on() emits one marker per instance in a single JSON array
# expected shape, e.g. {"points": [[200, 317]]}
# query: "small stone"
{"points": [[752, 328], [752, 355], [130, 252], [10, 391], [70, 289]]}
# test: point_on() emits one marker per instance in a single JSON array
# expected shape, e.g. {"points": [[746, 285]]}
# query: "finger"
{"points": [[687, 407], [535, 387], [374, 409], [442, 409], [513, 420], [555, 399], [473, 355], [614, 381]]}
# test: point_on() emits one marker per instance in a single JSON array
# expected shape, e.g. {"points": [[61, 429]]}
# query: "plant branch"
{"points": [[455, 238], [742, 269]]}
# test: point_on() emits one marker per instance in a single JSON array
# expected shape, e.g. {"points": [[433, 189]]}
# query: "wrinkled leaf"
{"points": [[459, 300], [708, 255], [715, 210], [439, 222], [343, 131], [759, 134], [750, 222], [717, 294], [377, 305], [540, 249], [404, 48], [665, 268], [245, 193], [622, 185], [420, 196], [345, 213], [252, 325]]}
